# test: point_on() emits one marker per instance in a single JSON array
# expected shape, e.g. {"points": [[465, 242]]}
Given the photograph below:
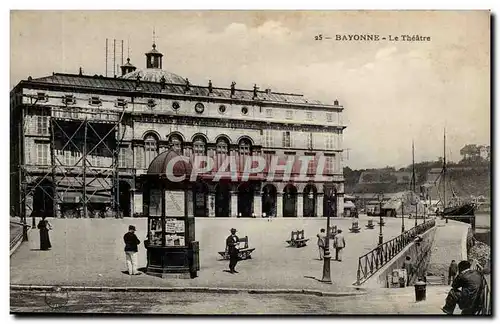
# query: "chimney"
{"points": [[336, 103], [210, 88], [268, 91]]}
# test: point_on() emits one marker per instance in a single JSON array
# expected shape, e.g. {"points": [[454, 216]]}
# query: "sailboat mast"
{"points": [[413, 163], [444, 169]]}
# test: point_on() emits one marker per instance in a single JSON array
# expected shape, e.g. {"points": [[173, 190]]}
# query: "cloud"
{"points": [[272, 28], [235, 29], [386, 52]]}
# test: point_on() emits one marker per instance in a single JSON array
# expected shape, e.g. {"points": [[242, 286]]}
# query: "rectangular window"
{"points": [[309, 141], [42, 97], [67, 158], [42, 127], [329, 164], [269, 113], [330, 141], [120, 102], [329, 117], [69, 100], [95, 101], [289, 114], [122, 157], [42, 153], [268, 138], [286, 139], [309, 115]]}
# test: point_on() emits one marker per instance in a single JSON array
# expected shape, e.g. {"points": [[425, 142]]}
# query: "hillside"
{"points": [[464, 180]]}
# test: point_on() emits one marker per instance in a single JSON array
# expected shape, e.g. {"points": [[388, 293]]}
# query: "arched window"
{"points": [[222, 146], [199, 146], [150, 148], [176, 143], [245, 147]]}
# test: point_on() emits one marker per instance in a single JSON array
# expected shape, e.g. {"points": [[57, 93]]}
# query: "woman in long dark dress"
{"points": [[44, 227]]}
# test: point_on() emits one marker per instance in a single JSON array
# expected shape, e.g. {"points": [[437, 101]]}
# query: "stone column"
{"points": [[211, 205], [340, 205], [300, 205], [319, 205], [257, 205], [279, 204], [131, 197], [234, 204]]}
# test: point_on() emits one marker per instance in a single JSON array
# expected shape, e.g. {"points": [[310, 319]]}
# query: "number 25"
{"points": [[318, 37]]}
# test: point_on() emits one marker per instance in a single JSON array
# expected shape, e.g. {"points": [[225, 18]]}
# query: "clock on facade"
{"points": [[151, 103], [222, 109], [175, 105], [199, 108], [244, 110]]}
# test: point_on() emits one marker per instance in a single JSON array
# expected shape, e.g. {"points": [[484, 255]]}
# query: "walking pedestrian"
{"points": [[44, 226], [452, 271], [338, 244], [321, 243], [232, 244], [131, 243], [408, 266], [466, 291]]}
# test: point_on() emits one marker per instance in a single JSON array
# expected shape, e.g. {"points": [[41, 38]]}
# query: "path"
{"points": [[447, 246], [380, 302], [89, 252]]}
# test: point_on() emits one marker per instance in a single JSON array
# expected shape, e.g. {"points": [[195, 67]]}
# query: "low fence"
{"points": [[371, 262]]}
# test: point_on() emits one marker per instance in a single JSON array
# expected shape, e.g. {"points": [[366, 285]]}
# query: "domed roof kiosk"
{"points": [[172, 251]]}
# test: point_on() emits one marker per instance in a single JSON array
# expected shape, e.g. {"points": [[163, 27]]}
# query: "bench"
{"points": [[297, 239], [370, 224], [243, 253], [355, 227]]}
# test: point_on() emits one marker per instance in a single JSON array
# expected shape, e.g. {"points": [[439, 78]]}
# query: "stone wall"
{"points": [[420, 256]]}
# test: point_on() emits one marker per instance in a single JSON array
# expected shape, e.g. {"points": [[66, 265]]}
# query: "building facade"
{"points": [[80, 144]]}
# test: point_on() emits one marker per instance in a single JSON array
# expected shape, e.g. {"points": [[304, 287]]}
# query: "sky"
{"points": [[393, 92]]}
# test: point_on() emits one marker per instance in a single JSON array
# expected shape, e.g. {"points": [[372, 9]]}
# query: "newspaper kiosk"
{"points": [[172, 251]]}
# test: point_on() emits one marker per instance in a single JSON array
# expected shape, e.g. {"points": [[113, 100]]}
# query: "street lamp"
{"points": [[331, 196], [380, 236], [425, 207]]}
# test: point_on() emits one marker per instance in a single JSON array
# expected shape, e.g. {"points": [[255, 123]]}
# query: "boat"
{"points": [[456, 209]]}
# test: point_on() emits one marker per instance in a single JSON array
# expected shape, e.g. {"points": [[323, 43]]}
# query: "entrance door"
{"points": [[124, 200], [43, 200], [309, 198], [222, 200], [269, 197], [290, 201], [200, 194], [245, 200]]}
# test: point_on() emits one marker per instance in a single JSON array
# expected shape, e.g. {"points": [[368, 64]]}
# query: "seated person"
{"points": [[467, 289]]}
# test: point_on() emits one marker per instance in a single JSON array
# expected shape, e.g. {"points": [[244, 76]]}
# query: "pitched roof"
{"points": [[100, 82]]}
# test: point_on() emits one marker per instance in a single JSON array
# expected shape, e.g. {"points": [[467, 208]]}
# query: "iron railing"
{"points": [[371, 262], [485, 307]]}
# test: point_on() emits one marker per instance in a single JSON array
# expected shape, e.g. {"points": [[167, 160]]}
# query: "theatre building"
{"points": [[81, 144]]}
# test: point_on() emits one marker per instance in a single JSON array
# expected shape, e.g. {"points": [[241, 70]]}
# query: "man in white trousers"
{"points": [[131, 242]]}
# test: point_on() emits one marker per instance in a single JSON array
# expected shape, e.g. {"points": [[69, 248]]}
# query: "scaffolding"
{"points": [[83, 138]]}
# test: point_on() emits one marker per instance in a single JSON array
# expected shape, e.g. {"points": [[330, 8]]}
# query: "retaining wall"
{"points": [[420, 256]]}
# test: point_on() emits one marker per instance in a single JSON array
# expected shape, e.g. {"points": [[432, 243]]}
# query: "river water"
{"points": [[483, 227]]}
